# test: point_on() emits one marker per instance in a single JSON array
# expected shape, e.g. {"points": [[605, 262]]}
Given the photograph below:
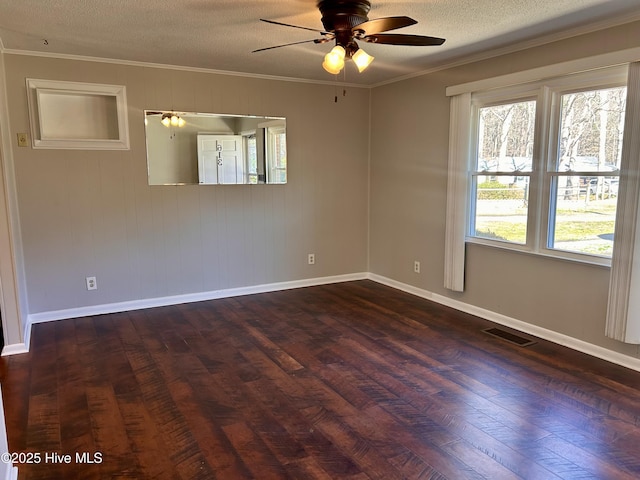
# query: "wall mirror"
{"points": [[186, 148]]}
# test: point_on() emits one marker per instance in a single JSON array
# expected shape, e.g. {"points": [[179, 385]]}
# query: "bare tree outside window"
{"points": [[585, 180], [503, 169]]}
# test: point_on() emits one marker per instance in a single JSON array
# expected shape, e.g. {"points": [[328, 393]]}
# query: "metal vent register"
{"points": [[509, 337]]}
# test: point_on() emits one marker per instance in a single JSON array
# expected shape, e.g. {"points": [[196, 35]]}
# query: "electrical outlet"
{"points": [[416, 266], [23, 139], [311, 259], [91, 283]]}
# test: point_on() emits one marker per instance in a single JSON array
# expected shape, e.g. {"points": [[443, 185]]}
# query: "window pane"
{"points": [[505, 137], [585, 215], [591, 126], [501, 208], [590, 140]]}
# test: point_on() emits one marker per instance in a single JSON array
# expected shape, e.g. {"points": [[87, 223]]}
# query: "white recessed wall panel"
{"points": [[74, 115], [65, 115]]}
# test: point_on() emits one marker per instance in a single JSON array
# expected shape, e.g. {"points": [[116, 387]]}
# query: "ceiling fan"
{"points": [[346, 22]]}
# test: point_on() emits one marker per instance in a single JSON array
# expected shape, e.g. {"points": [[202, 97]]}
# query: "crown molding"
{"points": [[136, 63], [618, 58], [460, 61]]}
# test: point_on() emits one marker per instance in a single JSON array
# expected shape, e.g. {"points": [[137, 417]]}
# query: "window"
{"points": [[276, 152], [251, 156], [502, 173], [545, 164], [585, 171], [581, 152]]}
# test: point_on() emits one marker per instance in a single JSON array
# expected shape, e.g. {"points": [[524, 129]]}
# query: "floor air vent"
{"points": [[509, 337]]}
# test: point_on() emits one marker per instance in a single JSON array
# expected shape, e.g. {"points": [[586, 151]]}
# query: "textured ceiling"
{"points": [[220, 34]]}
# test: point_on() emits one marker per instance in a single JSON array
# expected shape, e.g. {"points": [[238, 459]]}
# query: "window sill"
{"points": [[547, 253]]}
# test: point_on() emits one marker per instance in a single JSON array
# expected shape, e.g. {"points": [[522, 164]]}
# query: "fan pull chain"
{"points": [[344, 89], [344, 79]]}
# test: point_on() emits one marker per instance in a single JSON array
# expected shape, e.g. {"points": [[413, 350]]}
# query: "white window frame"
{"points": [[547, 94], [247, 137], [480, 100], [272, 155], [600, 80]]}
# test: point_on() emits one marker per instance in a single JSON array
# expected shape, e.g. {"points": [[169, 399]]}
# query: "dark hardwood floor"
{"points": [[345, 381]]}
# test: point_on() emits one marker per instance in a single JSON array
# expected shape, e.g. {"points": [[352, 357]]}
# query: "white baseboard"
{"points": [[14, 349], [550, 335], [127, 306], [561, 339]]}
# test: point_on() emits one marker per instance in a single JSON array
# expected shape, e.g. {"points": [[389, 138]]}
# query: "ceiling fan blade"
{"points": [[315, 40], [382, 25], [294, 26], [397, 39]]}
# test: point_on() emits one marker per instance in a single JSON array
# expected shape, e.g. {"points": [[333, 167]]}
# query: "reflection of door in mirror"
{"points": [[220, 159]]}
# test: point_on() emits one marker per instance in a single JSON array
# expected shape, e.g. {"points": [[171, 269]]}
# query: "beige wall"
{"points": [[409, 148], [91, 213]]}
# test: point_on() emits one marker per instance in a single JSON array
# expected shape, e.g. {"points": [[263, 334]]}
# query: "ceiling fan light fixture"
{"points": [[172, 119], [362, 59], [334, 60], [347, 22], [332, 69]]}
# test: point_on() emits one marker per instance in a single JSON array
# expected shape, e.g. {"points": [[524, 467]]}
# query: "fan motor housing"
{"points": [[343, 15]]}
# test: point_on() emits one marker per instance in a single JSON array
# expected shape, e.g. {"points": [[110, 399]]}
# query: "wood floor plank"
{"points": [[255, 454], [359, 449], [346, 381], [112, 441], [306, 468], [329, 457]]}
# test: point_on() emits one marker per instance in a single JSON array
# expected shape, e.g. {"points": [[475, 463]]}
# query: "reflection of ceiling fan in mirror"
{"points": [[346, 22]]}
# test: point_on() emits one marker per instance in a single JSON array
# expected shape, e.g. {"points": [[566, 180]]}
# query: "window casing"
{"points": [[251, 157], [542, 178], [276, 153]]}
